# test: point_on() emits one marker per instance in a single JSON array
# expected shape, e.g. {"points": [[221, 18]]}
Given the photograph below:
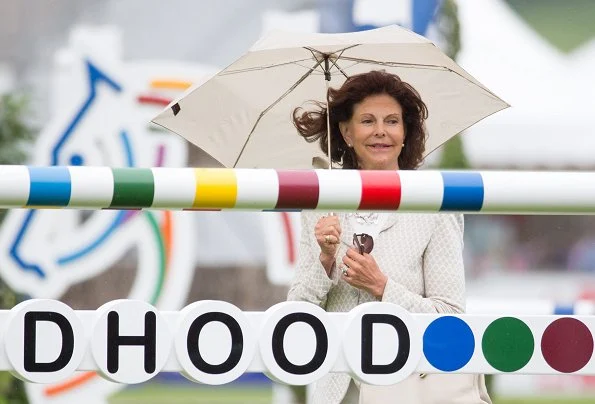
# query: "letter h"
{"points": [[115, 340]]}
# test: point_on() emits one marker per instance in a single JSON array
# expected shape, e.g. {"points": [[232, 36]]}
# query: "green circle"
{"points": [[508, 344]]}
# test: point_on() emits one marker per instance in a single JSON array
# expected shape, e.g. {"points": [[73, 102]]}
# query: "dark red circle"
{"points": [[567, 345]]}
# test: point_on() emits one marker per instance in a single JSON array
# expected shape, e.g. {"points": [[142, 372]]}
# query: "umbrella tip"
{"points": [[175, 108]]}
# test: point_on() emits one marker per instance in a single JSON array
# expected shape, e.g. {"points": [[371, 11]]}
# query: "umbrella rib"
{"points": [[420, 66], [412, 65], [308, 67], [334, 62], [262, 114], [249, 69], [314, 52], [322, 53]]}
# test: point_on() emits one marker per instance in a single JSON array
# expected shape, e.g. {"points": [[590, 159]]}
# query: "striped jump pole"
{"points": [[488, 192]]}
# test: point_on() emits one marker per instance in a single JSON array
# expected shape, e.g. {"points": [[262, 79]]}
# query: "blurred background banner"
{"points": [[93, 73], [358, 15], [99, 106]]}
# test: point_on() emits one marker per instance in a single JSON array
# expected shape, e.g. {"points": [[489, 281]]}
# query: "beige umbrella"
{"points": [[242, 115]]}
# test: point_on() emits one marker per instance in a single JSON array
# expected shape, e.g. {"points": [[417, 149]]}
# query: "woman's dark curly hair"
{"points": [[312, 124]]}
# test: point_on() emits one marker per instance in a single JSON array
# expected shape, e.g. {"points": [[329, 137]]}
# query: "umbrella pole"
{"points": [[328, 128], [327, 80]]}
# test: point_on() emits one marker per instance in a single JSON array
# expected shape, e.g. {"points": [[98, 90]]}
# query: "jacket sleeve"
{"points": [[443, 272], [310, 282]]}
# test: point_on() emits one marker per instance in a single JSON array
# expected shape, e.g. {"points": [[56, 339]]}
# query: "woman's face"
{"points": [[376, 132]]}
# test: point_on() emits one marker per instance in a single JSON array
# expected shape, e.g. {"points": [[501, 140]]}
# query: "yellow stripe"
{"points": [[215, 188], [170, 84]]}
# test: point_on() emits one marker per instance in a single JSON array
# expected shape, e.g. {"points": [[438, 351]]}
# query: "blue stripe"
{"points": [[50, 186], [564, 310], [462, 191]]}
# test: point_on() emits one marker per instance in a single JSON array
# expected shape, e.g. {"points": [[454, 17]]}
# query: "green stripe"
{"points": [[133, 188], [161, 248]]}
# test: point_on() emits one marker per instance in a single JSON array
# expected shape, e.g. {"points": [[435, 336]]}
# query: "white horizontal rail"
{"points": [[214, 342]]}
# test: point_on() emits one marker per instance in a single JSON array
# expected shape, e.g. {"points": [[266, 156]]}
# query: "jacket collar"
{"points": [[347, 228]]}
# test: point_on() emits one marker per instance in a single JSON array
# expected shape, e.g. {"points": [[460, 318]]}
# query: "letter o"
{"points": [[316, 342], [192, 325]]}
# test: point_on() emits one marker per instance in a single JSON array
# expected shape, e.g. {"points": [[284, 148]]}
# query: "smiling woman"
{"points": [[377, 122], [371, 116], [375, 132]]}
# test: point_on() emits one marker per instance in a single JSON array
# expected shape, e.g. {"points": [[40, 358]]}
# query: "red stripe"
{"points": [[151, 99], [289, 233], [380, 190], [298, 189]]}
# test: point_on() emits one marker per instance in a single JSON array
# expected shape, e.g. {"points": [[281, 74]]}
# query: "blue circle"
{"points": [[76, 160], [448, 343]]}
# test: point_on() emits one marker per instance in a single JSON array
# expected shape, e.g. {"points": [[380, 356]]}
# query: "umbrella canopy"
{"points": [[242, 116]]}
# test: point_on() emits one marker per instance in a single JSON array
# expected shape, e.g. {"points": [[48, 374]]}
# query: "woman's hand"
{"points": [[362, 272], [328, 235]]}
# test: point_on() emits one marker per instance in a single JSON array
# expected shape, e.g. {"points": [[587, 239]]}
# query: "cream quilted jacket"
{"points": [[422, 254]]}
